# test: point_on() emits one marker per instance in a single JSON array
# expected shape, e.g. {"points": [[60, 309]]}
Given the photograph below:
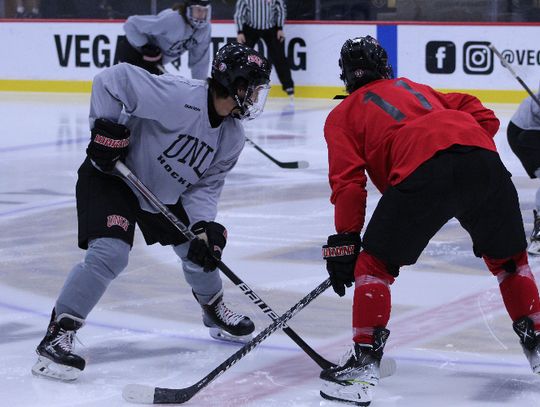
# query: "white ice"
{"points": [[450, 334]]}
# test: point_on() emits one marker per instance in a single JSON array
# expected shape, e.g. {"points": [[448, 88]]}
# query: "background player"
{"points": [[154, 40], [523, 134]]}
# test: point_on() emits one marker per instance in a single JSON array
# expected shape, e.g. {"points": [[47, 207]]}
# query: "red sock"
{"points": [[372, 298], [520, 296], [517, 285]]}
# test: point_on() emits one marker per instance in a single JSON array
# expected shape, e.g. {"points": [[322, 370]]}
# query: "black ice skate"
{"points": [[354, 379], [225, 324], [530, 342], [56, 359], [534, 245]]}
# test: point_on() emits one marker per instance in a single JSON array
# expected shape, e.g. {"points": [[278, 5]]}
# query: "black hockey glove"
{"points": [[209, 245], [151, 53], [109, 143], [340, 254]]}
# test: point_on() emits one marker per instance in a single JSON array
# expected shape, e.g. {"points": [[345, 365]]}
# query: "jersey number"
{"points": [[393, 111]]}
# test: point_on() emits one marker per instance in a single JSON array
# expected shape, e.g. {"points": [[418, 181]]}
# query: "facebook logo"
{"points": [[440, 57]]}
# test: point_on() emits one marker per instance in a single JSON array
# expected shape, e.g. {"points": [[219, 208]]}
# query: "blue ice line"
{"points": [[41, 206], [41, 145], [79, 139], [140, 331], [273, 347]]}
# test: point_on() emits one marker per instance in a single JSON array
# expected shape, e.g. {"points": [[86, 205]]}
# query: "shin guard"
{"points": [[372, 299], [517, 285]]}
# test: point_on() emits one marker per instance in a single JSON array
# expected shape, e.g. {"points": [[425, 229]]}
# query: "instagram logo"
{"points": [[477, 58]]}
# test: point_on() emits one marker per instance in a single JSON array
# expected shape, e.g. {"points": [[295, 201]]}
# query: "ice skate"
{"points": [[530, 341], [354, 379], [56, 359], [534, 245], [225, 324]]}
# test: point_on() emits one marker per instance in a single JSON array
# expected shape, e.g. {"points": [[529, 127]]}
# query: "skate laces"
{"points": [[227, 315], [64, 340]]}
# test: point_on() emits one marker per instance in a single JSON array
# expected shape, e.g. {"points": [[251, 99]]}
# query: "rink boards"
{"points": [[64, 56]]}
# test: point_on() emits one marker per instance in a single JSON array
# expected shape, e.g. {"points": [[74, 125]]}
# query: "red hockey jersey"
{"points": [[387, 129]]}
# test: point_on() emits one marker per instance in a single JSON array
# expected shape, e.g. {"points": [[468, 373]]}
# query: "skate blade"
{"points": [[51, 370], [356, 394], [221, 335]]}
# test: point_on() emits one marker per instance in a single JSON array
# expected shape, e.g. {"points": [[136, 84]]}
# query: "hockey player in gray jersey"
{"points": [[154, 40], [180, 137], [523, 134]]}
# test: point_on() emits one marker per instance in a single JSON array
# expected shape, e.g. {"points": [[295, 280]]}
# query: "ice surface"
{"points": [[451, 337]]}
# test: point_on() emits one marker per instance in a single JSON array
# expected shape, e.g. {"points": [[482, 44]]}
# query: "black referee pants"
{"points": [[276, 53]]}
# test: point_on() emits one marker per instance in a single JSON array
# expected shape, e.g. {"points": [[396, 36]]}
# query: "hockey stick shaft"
{"points": [[131, 178], [281, 164], [516, 76], [158, 395]]}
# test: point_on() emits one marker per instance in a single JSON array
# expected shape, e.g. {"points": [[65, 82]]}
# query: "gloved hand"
{"points": [[340, 254], [108, 144], [151, 53], [209, 245]]}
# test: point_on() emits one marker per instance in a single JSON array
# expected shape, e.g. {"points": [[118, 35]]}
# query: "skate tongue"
{"points": [[363, 347]]}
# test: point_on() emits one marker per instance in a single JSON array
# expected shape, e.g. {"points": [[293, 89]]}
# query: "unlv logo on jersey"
{"points": [[117, 220], [190, 150]]}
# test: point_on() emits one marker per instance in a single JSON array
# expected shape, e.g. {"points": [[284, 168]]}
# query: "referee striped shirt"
{"points": [[260, 14]]}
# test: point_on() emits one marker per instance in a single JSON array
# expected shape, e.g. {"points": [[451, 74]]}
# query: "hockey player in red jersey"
{"points": [[433, 158]]}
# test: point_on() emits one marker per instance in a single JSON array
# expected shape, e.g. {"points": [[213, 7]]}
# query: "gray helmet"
{"points": [[363, 60]]}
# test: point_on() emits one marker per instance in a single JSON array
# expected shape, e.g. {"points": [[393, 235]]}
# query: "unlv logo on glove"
{"points": [[338, 251]]}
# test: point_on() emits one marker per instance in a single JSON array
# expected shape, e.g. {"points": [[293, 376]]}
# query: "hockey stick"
{"points": [[138, 393], [281, 164], [507, 66], [154, 201], [388, 365]]}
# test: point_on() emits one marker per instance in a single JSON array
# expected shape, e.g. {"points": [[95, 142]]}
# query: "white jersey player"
{"points": [[523, 134], [181, 138], [154, 40]]}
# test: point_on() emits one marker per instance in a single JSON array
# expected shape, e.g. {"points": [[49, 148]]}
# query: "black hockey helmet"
{"points": [[245, 74], [201, 18], [363, 60]]}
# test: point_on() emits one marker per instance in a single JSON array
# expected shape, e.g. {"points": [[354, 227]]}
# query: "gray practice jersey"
{"points": [[169, 31], [527, 115], [173, 149]]}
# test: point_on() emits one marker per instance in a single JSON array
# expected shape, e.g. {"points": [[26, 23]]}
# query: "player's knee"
{"points": [[514, 265], [371, 270], [108, 256]]}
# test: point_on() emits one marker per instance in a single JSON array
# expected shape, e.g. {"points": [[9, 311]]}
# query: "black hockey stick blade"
{"points": [[339, 97], [292, 164], [281, 164], [157, 395]]}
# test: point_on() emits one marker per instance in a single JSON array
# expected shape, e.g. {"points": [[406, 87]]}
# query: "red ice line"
{"points": [[419, 327]]}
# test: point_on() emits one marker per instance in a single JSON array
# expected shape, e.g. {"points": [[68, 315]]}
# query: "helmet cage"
{"points": [[252, 104], [193, 17]]}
